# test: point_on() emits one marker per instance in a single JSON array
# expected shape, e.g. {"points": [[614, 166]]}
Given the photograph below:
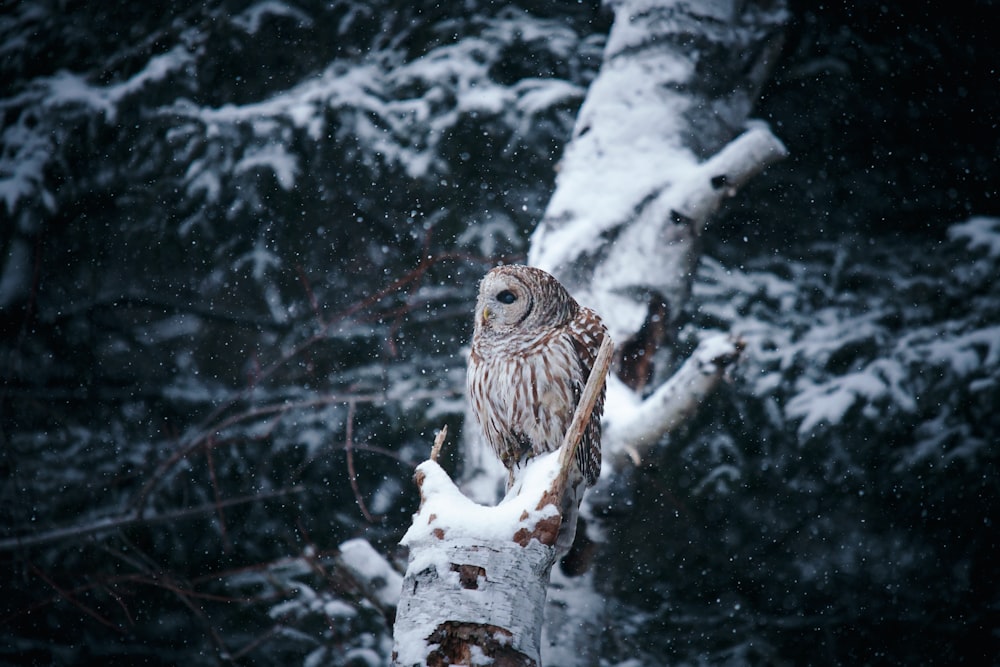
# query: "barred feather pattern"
{"points": [[532, 351]]}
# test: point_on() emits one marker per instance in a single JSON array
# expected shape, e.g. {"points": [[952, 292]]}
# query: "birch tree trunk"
{"points": [[662, 138]]}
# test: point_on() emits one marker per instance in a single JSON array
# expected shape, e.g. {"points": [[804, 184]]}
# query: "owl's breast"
{"points": [[545, 399], [525, 395]]}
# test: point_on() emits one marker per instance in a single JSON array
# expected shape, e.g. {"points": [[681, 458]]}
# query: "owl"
{"points": [[532, 351]]}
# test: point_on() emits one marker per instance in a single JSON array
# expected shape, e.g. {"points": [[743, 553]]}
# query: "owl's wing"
{"points": [[588, 333]]}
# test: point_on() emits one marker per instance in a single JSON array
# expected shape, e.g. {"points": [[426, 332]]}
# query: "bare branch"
{"points": [[595, 383], [206, 433], [117, 523], [69, 597], [351, 473], [439, 442]]}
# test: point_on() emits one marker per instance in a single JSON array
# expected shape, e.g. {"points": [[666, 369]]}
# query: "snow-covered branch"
{"points": [[659, 144], [632, 427], [372, 573]]}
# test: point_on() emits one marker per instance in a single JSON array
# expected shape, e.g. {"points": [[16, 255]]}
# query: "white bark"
{"points": [[661, 140], [492, 596], [644, 169], [476, 581]]}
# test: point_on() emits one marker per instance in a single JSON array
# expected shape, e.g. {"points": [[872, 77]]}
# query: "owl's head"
{"points": [[521, 299]]}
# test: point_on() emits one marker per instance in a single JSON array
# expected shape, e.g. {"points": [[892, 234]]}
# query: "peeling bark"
{"points": [[477, 598]]}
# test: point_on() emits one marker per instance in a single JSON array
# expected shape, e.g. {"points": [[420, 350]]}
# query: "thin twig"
{"points": [[150, 574], [313, 301], [210, 626], [66, 595], [439, 442], [351, 473], [226, 543], [117, 523], [110, 592], [269, 634], [215, 421], [202, 437]]}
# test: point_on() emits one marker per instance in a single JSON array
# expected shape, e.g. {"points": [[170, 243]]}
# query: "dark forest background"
{"points": [[239, 247]]}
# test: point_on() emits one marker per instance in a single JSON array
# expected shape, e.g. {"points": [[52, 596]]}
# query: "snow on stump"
{"points": [[474, 590]]}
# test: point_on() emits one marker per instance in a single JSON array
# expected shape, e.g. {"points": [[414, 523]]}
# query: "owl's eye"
{"points": [[506, 296]]}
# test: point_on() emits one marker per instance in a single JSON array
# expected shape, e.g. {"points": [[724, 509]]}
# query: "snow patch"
{"points": [[829, 401], [486, 234], [370, 566], [252, 19], [202, 179], [978, 232], [22, 166], [385, 496], [537, 95], [260, 259], [445, 508], [275, 157], [169, 328]]}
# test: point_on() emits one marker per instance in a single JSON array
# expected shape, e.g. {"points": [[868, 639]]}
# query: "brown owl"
{"points": [[532, 351]]}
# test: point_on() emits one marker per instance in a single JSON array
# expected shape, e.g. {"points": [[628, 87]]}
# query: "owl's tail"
{"points": [[570, 510]]}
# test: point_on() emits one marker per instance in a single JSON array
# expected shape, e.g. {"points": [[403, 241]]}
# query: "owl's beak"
{"points": [[486, 313]]}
